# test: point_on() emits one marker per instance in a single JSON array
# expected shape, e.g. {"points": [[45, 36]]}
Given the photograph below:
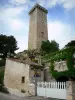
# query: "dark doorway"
{"points": [[62, 79]]}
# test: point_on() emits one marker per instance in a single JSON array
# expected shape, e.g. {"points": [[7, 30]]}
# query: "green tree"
{"points": [[54, 46], [71, 43], [8, 45], [49, 47]]}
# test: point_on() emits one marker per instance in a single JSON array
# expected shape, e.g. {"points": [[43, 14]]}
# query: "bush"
{"points": [[2, 62], [1, 76], [3, 89]]}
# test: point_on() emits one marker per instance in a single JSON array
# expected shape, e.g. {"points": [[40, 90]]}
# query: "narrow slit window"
{"points": [[23, 79], [42, 34]]}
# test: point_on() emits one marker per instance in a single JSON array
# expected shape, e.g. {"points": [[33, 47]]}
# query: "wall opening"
{"points": [[42, 34], [23, 79], [62, 79]]}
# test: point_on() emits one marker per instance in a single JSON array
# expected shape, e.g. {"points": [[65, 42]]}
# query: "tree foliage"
{"points": [[67, 55], [71, 43], [49, 47], [1, 75], [8, 45]]}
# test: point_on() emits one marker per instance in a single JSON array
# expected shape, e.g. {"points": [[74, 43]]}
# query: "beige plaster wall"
{"points": [[14, 71]]}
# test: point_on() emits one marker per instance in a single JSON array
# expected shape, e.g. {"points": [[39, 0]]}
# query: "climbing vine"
{"points": [[65, 54]]}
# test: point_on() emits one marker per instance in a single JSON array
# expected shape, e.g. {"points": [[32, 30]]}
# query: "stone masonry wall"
{"points": [[32, 78], [37, 28], [71, 90], [60, 66]]}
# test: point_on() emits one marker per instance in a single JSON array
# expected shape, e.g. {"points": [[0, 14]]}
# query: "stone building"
{"points": [[20, 75], [37, 27]]}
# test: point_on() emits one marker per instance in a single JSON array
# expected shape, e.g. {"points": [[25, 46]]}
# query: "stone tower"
{"points": [[37, 27]]}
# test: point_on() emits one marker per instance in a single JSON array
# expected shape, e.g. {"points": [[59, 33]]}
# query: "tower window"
{"points": [[23, 79], [42, 34]]}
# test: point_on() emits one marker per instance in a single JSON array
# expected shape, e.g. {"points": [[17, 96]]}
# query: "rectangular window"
{"points": [[42, 34], [23, 79]]}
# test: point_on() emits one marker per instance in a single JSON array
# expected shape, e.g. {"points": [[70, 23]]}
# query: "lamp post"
{"points": [[35, 83]]}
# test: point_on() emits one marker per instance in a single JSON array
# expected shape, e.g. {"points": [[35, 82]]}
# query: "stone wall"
{"points": [[14, 71], [32, 77], [37, 28], [71, 90], [60, 66], [47, 75]]}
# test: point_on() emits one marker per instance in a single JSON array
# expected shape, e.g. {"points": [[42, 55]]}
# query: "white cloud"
{"points": [[22, 42], [67, 4], [50, 3], [21, 1], [11, 12], [60, 32], [16, 25], [41, 2], [17, 2], [9, 15]]}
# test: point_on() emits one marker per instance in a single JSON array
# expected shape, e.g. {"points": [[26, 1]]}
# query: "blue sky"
{"points": [[14, 20]]}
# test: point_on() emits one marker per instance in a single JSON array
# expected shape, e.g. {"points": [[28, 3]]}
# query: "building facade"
{"points": [[20, 76], [37, 27]]}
